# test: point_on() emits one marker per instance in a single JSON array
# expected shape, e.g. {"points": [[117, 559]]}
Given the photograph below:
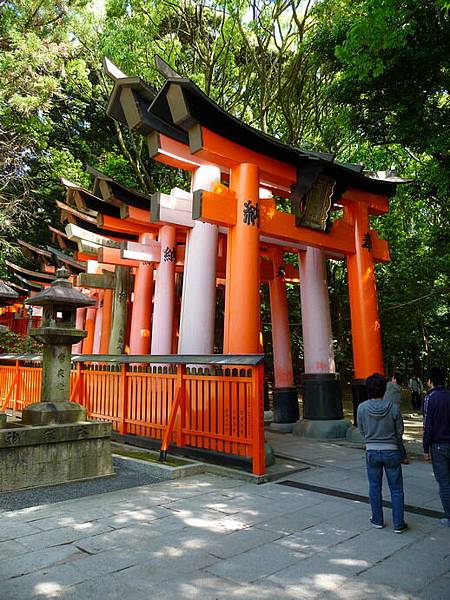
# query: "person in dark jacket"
{"points": [[380, 423], [436, 434]]}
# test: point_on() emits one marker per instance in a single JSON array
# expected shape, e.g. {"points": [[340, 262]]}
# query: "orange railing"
{"points": [[214, 403]]}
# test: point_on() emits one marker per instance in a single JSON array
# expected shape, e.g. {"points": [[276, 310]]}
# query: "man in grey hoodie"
{"points": [[393, 388], [380, 423]]}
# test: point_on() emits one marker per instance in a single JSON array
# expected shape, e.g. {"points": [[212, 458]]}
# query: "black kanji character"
{"points": [[251, 213]]}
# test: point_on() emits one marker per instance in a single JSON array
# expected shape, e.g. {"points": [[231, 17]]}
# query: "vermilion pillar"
{"points": [[322, 398], [241, 325], [366, 331], [106, 321], [164, 302], [198, 303], [285, 400], [89, 325], [141, 315], [98, 323], [81, 316]]}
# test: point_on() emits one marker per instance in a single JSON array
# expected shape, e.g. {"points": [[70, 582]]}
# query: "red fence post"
{"points": [[18, 386], [177, 402], [123, 407], [259, 459], [181, 388]]}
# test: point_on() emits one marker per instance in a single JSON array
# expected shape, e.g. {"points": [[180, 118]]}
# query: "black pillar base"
{"points": [[266, 396], [359, 394], [322, 397], [285, 405]]}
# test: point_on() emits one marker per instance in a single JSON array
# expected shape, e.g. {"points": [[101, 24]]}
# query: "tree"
{"points": [[390, 65]]}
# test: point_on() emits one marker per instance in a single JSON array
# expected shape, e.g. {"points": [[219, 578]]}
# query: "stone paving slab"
{"points": [[256, 563], [210, 537]]}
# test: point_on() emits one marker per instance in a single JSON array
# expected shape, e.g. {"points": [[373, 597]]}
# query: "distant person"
{"points": [[436, 434], [394, 390], [416, 387], [381, 424]]}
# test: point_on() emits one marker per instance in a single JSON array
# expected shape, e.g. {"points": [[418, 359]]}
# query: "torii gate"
{"points": [[98, 319], [184, 128], [166, 210], [198, 298], [108, 215]]}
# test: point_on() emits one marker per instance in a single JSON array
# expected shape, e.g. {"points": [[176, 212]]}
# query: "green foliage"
{"points": [[18, 344], [365, 79]]}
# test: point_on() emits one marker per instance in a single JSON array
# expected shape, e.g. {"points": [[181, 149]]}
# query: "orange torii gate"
{"points": [[185, 129], [166, 210]]}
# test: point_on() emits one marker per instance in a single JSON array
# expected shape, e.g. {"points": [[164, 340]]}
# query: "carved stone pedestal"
{"points": [[48, 455]]}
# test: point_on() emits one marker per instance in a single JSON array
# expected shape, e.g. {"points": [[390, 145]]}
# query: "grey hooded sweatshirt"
{"points": [[393, 392], [380, 423]]}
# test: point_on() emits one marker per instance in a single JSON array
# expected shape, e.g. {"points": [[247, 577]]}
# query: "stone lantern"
{"points": [[57, 333]]}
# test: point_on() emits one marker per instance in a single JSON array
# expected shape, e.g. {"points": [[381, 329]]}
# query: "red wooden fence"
{"points": [[216, 406]]}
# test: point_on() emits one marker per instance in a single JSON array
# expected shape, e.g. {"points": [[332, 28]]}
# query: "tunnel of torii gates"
{"points": [[226, 229]]}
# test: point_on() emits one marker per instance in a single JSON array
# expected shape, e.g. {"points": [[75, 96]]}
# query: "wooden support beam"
{"points": [[171, 210], [33, 275], [214, 208], [76, 233], [122, 226], [150, 252], [112, 256], [377, 204], [101, 281], [220, 151], [174, 153]]}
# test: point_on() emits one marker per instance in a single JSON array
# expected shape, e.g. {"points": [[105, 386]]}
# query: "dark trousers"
{"points": [[390, 462], [416, 400], [440, 457]]}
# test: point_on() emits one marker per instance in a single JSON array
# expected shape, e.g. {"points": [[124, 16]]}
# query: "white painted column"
{"points": [[98, 323], [198, 303], [164, 299], [316, 320], [79, 324]]}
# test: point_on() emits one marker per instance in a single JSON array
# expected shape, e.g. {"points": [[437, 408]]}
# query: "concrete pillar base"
{"points": [[354, 436], [326, 430], [268, 417], [282, 427], [285, 405], [359, 395], [270, 454], [322, 397]]}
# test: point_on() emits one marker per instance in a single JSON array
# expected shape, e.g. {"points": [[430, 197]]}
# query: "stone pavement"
{"points": [[210, 537]]}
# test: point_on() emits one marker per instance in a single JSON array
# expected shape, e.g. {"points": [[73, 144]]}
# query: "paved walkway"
{"points": [[210, 537]]}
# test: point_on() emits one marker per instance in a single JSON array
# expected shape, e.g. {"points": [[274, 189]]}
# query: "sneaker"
{"points": [[376, 525], [401, 529], [445, 522]]}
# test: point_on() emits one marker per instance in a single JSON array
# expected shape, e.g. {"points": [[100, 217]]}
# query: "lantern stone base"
{"points": [[330, 429], [48, 455], [48, 413]]}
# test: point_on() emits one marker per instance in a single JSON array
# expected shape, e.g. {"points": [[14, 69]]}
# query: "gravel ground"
{"points": [[129, 474]]}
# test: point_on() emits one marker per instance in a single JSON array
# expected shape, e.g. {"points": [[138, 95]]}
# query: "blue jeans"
{"points": [[440, 457], [390, 461]]}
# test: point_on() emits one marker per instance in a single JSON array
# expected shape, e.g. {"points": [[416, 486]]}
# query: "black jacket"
{"points": [[436, 418]]}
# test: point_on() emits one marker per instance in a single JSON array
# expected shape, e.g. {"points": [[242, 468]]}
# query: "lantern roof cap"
{"points": [[7, 293], [61, 292]]}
